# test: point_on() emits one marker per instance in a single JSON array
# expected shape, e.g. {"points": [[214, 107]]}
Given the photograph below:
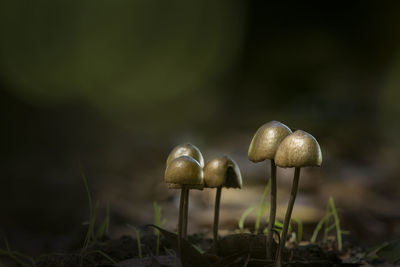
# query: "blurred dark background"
{"points": [[113, 86]]}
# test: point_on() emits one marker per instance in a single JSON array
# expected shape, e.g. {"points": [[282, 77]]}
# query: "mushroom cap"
{"points": [[186, 171], [300, 149], [222, 171], [266, 141], [186, 150]]}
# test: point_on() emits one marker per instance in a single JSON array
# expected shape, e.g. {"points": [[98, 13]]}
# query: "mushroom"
{"points": [[190, 151], [184, 173], [221, 172], [263, 147], [300, 149], [186, 150]]}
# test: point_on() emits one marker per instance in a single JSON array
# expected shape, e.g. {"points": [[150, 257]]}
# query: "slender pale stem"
{"points": [[289, 210], [180, 220], [272, 212], [185, 212], [216, 216]]}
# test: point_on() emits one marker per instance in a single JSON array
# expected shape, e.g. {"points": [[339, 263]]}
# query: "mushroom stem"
{"points": [[185, 211], [289, 210], [216, 216], [272, 212], [180, 219]]}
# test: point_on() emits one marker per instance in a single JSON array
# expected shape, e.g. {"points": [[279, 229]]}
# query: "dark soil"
{"points": [[233, 250]]}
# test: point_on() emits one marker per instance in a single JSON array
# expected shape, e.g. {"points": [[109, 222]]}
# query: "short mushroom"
{"points": [[186, 150], [263, 147], [190, 151], [300, 149], [184, 173], [221, 172]]}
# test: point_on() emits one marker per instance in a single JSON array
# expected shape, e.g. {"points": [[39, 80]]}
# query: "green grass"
{"points": [[158, 221], [19, 258], [103, 229], [139, 242], [172, 253], [337, 223], [277, 227], [92, 236], [319, 227], [245, 214], [330, 222], [299, 235], [102, 254], [262, 207]]}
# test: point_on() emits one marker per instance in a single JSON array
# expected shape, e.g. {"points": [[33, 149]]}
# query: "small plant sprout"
{"points": [[300, 149], [262, 207], [299, 235], [19, 258], [263, 147], [157, 222], [139, 243], [245, 213], [331, 212], [184, 173], [218, 173]]}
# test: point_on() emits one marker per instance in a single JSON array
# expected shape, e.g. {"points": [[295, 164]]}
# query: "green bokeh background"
{"points": [[114, 85]]}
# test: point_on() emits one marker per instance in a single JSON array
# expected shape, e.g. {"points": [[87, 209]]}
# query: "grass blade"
{"points": [[337, 222], [158, 222], [244, 216], [103, 229], [326, 224], [299, 229], [85, 182], [104, 255], [89, 233], [319, 227], [262, 207], [18, 257], [139, 243]]}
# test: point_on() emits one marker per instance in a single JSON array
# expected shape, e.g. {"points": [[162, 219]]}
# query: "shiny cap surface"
{"points": [[184, 171], [186, 150], [222, 171], [300, 149], [266, 141]]}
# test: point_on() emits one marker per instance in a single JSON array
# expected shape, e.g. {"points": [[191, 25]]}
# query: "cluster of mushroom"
{"points": [[185, 170], [275, 141]]}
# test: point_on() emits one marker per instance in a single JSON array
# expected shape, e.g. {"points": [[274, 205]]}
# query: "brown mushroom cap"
{"points": [[184, 171], [222, 171], [186, 150], [300, 149], [266, 141]]}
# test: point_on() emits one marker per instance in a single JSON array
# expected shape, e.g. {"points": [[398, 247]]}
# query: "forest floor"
{"points": [[235, 249]]}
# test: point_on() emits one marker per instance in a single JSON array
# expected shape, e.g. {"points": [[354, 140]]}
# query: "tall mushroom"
{"points": [[263, 147], [300, 149], [184, 173], [190, 151], [221, 172]]}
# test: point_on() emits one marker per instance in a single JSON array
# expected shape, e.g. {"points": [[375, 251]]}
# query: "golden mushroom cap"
{"points": [[222, 171], [186, 171], [186, 150], [266, 141], [300, 149]]}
